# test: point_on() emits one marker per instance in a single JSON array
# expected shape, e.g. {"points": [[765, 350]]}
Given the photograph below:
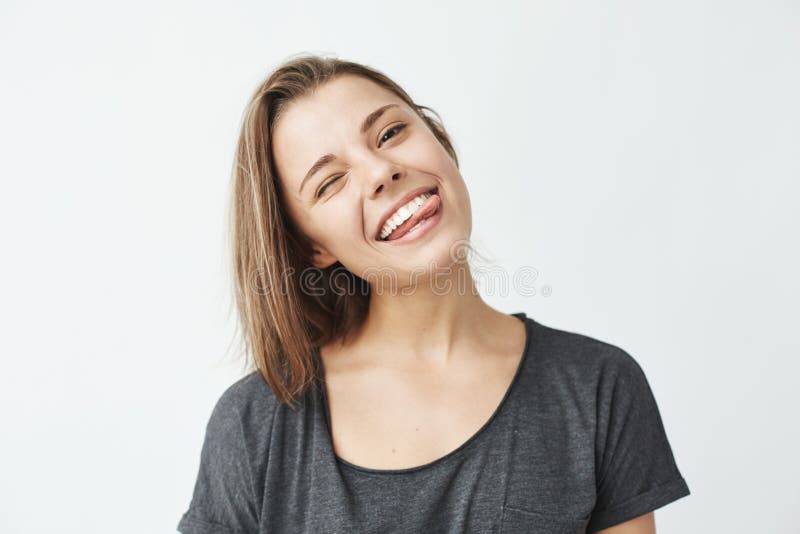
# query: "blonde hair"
{"points": [[281, 322]]}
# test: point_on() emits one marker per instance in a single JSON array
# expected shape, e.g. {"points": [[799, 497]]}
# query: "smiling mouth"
{"points": [[410, 215]]}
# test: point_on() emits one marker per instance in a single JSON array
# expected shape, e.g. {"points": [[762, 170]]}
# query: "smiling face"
{"points": [[348, 155]]}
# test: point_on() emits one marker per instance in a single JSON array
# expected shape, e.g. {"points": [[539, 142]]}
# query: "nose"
{"points": [[380, 187], [379, 173]]}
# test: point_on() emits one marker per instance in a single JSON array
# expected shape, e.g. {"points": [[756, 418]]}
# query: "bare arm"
{"points": [[644, 524]]}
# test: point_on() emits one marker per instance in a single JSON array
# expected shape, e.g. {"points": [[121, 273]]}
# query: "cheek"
{"points": [[338, 226], [429, 155]]}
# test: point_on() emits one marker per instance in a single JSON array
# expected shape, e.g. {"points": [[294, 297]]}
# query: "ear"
{"points": [[321, 258]]}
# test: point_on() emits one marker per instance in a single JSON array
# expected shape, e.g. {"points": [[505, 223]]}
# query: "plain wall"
{"points": [[642, 157]]}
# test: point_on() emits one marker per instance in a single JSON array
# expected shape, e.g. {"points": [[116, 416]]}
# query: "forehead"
{"points": [[323, 121]]}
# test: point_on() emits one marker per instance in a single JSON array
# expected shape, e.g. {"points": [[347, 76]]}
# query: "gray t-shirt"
{"points": [[576, 445]]}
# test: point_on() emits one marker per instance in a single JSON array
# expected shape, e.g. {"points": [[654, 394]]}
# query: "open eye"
{"points": [[391, 132]]}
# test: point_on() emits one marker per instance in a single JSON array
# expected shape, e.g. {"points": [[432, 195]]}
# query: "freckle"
{"points": [[417, 429], [393, 451]]}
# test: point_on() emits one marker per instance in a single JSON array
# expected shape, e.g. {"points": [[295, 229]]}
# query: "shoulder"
{"points": [[239, 432], [248, 392], [600, 382], [594, 378], [580, 355], [229, 485], [245, 408]]}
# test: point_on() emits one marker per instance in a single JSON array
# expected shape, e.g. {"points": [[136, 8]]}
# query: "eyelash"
{"points": [[396, 128]]}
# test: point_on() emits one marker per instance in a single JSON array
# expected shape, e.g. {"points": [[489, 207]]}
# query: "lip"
{"points": [[402, 202], [428, 225]]}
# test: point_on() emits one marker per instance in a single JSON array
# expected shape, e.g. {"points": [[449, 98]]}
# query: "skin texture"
{"points": [[421, 356], [435, 365], [375, 169], [328, 121], [644, 524]]}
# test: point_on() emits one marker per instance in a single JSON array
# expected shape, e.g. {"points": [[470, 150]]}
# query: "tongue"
{"points": [[426, 210]]}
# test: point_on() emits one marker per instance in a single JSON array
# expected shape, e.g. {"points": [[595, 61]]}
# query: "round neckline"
{"points": [[458, 450]]}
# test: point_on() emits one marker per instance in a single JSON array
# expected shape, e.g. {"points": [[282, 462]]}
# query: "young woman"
{"points": [[388, 396]]}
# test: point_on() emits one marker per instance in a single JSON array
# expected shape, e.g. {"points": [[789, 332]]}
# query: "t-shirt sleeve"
{"points": [[224, 499], [635, 468]]}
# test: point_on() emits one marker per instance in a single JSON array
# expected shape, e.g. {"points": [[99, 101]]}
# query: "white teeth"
{"points": [[402, 214]]}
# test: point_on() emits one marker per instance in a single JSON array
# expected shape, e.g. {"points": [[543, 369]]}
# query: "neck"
{"points": [[427, 323]]}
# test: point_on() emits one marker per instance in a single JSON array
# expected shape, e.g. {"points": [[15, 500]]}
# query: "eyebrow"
{"points": [[327, 158]]}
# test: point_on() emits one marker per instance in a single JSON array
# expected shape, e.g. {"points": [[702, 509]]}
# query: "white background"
{"points": [[642, 156]]}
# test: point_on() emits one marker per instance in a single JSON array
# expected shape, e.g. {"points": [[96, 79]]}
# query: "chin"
{"points": [[442, 253]]}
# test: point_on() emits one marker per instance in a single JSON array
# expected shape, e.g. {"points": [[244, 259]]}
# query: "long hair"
{"points": [[286, 306]]}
